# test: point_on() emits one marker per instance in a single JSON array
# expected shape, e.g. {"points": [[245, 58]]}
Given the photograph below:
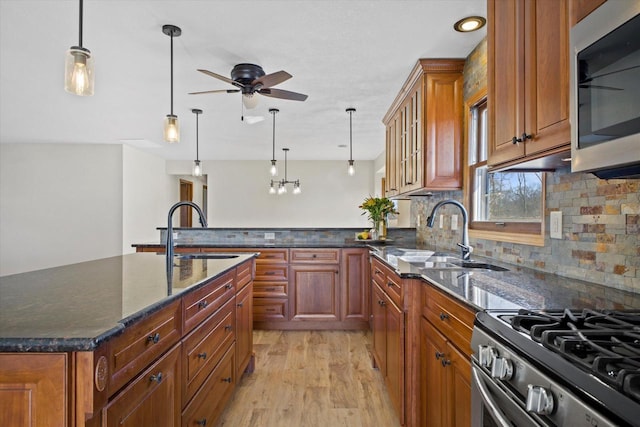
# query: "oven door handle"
{"points": [[488, 401]]}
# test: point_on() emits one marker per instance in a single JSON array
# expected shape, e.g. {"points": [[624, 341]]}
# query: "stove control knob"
{"points": [[486, 355], [502, 368], [539, 400]]}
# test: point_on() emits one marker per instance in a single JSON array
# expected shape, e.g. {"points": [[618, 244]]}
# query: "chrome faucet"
{"points": [[169, 240], [465, 247]]}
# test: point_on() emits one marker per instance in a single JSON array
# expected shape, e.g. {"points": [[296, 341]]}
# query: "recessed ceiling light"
{"points": [[470, 23]]}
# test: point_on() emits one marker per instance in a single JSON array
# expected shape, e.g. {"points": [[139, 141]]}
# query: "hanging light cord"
{"points": [[285, 165], [197, 127], [172, 72], [350, 137], [80, 26], [273, 156]]}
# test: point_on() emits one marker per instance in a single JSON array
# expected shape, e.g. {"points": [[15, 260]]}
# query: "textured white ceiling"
{"points": [[342, 53]]}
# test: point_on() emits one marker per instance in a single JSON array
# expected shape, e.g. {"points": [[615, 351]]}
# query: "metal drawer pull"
{"points": [[228, 286], [227, 327], [439, 355], [202, 304], [157, 377], [445, 363], [240, 304], [391, 284], [227, 380], [382, 303], [202, 355], [154, 338], [202, 422], [444, 316]]}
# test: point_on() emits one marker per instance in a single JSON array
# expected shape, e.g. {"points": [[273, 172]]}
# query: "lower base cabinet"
{"points": [[445, 380], [207, 406], [152, 399]]}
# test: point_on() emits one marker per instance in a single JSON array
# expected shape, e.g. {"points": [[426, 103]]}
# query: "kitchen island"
{"points": [[103, 342]]}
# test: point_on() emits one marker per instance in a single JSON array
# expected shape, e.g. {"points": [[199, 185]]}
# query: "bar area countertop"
{"points": [[516, 288], [77, 307]]}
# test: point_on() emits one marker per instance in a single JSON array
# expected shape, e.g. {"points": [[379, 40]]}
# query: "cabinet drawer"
{"points": [[201, 303], [208, 404], [270, 289], [270, 309], [271, 272], [390, 282], [152, 399], [454, 320], [142, 343], [272, 256], [244, 274], [205, 346], [323, 256]]}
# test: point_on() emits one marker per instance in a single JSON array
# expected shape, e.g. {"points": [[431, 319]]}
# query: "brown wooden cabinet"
{"points": [[244, 330], [445, 364], [152, 398], [424, 130], [579, 9], [33, 390], [355, 298], [528, 82], [315, 285]]}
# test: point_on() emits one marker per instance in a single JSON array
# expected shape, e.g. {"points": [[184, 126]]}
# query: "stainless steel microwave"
{"points": [[605, 91]]}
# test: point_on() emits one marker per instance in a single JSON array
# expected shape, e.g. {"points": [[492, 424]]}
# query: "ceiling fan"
{"points": [[251, 79]]}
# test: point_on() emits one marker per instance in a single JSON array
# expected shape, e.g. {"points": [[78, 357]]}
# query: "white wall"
{"points": [[59, 204], [147, 194], [238, 194]]}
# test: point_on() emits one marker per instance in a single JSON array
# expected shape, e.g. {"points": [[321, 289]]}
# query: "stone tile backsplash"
{"points": [[600, 229]]}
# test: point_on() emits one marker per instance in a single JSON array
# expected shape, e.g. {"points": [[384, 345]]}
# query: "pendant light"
{"points": [[274, 169], [78, 73], [351, 170], [282, 184], [171, 125], [197, 168]]}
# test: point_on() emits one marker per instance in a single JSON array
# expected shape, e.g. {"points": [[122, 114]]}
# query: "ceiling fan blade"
{"points": [[598, 87], [219, 77], [215, 91], [272, 79], [283, 94]]}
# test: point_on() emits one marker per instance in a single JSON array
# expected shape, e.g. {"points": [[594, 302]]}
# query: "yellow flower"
{"points": [[377, 208]]}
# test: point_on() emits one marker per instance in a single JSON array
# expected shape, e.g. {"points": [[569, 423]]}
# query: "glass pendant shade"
{"points": [[282, 189], [272, 189], [296, 188], [250, 101], [171, 129], [273, 170], [197, 168], [79, 71], [351, 170]]}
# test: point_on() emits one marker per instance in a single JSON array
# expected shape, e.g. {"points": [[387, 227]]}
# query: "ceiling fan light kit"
{"points": [[79, 67], [351, 170], [171, 125], [197, 167]]}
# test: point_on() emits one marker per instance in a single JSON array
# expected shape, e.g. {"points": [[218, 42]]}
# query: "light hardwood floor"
{"points": [[309, 379]]}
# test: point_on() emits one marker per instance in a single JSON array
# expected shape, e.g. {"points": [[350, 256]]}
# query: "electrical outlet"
{"points": [[417, 220], [441, 221], [454, 222], [269, 236], [555, 228]]}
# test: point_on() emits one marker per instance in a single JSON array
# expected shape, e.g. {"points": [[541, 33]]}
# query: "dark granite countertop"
{"points": [[278, 244], [76, 307], [519, 287]]}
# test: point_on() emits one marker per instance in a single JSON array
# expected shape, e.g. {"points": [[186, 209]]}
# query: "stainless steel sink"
{"points": [[206, 256], [482, 265]]}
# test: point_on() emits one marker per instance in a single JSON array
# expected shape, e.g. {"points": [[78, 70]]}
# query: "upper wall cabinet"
{"points": [[424, 130], [528, 83]]}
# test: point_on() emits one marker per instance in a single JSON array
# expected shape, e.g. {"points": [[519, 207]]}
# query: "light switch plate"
{"points": [[441, 221], [555, 228], [454, 222], [269, 236]]}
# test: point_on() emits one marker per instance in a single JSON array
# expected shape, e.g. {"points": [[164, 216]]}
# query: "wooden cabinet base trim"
{"points": [[316, 325]]}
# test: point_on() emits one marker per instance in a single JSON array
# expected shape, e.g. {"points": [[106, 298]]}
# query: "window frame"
{"points": [[528, 233]]}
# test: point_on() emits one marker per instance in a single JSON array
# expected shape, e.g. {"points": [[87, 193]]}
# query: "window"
{"points": [[500, 202]]}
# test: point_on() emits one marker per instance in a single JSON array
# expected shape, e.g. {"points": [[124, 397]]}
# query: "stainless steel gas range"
{"points": [[556, 368]]}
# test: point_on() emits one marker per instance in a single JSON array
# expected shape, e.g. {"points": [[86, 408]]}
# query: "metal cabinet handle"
{"points": [[515, 140], [157, 377], [382, 303], [439, 355], [202, 355], [390, 284], [444, 316], [227, 327], [526, 136], [202, 422], [226, 380], [445, 362], [202, 304], [154, 338], [239, 304], [228, 286]]}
